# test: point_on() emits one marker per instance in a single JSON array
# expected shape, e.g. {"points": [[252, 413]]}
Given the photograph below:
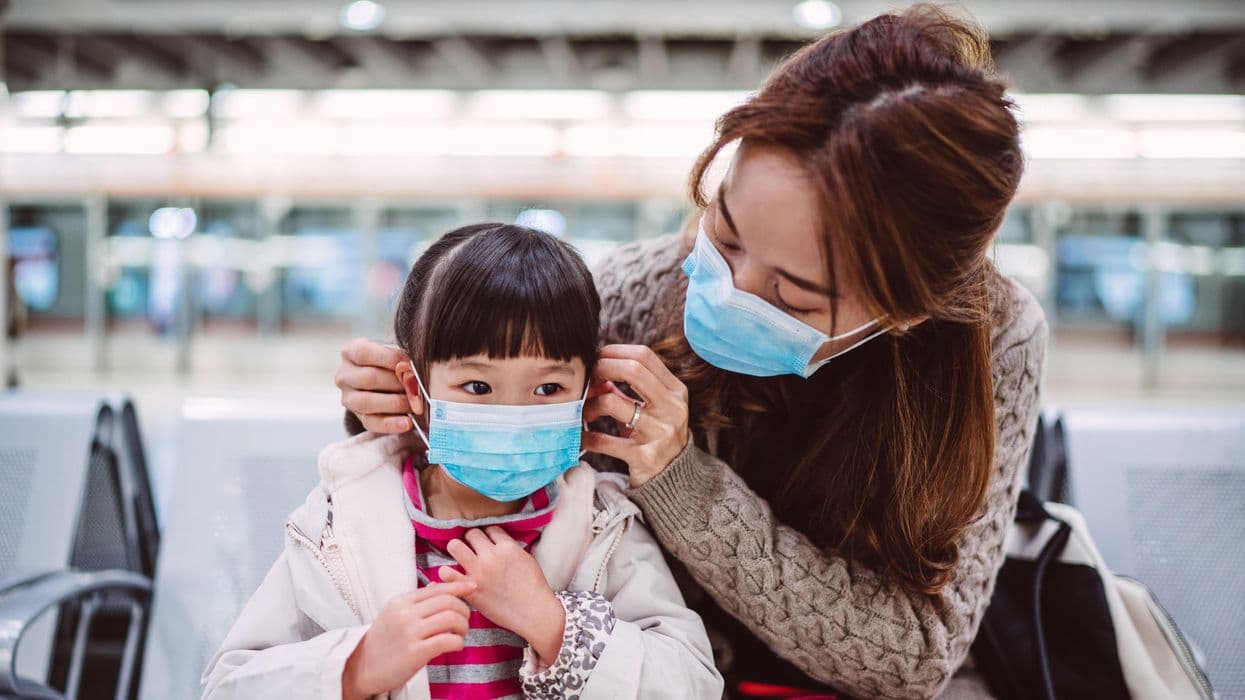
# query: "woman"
{"points": [[843, 388]]}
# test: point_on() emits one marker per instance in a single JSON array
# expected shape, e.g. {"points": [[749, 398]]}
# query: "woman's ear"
{"points": [[410, 385]]}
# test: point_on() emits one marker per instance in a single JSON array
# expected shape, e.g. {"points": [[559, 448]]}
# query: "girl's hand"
{"points": [[370, 386], [411, 630], [510, 588], [661, 432]]}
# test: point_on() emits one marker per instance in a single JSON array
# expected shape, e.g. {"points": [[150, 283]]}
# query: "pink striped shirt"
{"points": [[488, 666]]}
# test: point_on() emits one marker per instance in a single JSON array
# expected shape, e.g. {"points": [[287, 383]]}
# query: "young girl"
{"points": [[475, 557]]}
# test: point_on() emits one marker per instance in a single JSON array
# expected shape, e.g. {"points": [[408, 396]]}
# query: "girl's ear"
{"points": [[410, 384]]}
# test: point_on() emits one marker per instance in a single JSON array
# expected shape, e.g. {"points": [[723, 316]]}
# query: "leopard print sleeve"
{"points": [[589, 622]]}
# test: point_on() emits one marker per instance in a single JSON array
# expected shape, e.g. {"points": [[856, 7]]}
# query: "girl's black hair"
{"points": [[500, 290]]}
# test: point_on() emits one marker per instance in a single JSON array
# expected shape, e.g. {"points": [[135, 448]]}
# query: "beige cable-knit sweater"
{"points": [[840, 622]]}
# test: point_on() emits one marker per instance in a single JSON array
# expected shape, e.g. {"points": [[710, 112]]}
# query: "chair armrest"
{"points": [[22, 604]]}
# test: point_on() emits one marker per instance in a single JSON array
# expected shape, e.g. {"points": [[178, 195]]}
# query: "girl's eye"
{"points": [[477, 387], [548, 389]]}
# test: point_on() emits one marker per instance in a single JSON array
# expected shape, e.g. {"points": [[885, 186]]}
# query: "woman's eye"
{"points": [[477, 387], [732, 247], [548, 389]]}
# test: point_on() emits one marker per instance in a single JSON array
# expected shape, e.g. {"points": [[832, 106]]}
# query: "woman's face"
{"points": [[764, 221]]}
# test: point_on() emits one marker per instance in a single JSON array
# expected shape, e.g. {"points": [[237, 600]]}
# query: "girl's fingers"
{"points": [[478, 541], [440, 603], [645, 356], [441, 622], [497, 535], [458, 589], [433, 647], [369, 353], [462, 553], [616, 447]]}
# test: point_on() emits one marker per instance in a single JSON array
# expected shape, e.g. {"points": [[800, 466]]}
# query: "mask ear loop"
{"points": [[583, 422], [812, 368], [427, 407]]}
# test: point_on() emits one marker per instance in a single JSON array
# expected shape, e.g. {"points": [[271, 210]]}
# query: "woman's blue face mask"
{"points": [[503, 452], [741, 332]]}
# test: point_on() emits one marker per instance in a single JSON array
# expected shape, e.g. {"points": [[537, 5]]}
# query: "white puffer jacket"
{"points": [[297, 631]]}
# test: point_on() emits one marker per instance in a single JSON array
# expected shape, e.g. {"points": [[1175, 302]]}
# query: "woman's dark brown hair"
{"points": [[884, 455], [499, 290]]}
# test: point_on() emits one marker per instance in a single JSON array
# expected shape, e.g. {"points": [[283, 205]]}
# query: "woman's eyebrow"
{"points": [[807, 285]]}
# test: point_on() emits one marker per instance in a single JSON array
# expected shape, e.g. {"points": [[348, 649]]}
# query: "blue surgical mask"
{"points": [[741, 332], [503, 452]]}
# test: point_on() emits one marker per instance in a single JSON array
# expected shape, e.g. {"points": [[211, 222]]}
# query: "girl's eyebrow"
{"points": [[471, 364], [558, 369]]}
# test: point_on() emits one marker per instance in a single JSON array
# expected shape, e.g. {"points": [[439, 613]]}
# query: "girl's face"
{"points": [[515, 381]]}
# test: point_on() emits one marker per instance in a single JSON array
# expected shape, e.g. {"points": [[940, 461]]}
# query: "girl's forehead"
{"points": [[523, 363]]}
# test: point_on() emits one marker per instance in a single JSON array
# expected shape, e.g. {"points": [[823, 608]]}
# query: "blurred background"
{"points": [[208, 197]]}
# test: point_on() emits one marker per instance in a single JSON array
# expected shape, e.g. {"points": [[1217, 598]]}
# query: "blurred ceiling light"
{"points": [[172, 222], [250, 104], [271, 138], [38, 104], [363, 15], [817, 14], [1148, 108], [499, 140], [1188, 143], [540, 104], [1066, 142], [108, 103], [1053, 107], [30, 139], [385, 104], [680, 105], [137, 139], [637, 140], [393, 139], [186, 104]]}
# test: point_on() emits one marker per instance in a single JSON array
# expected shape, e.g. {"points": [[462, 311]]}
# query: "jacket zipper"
{"points": [[1187, 661], [329, 556]]}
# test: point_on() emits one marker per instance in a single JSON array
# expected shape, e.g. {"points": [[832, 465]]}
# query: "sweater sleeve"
{"points": [[839, 621]]}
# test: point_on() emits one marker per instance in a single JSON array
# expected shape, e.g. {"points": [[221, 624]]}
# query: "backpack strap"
{"points": [[1029, 510]]}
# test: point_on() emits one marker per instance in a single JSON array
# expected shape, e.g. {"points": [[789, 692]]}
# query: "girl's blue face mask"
{"points": [[741, 332], [503, 452]]}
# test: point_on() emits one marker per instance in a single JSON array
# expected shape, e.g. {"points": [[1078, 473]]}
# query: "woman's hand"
{"points": [[661, 432], [510, 588], [370, 386], [411, 630]]}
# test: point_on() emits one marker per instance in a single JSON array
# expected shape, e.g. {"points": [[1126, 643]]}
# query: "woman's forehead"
{"points": [[774, 206]]}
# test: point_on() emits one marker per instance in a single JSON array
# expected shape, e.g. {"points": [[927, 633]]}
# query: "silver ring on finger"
{"points": [[635, 417]]}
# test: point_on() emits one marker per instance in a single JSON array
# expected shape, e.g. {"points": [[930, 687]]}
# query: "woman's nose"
{"points": [[749, 278]]}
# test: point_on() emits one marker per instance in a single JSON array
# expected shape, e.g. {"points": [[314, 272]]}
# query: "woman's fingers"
{"points": [[616, 406], [634, 374], [611, 445], [362, 378], [373, 403], [645, 356], [385, 425], [369, 353]]}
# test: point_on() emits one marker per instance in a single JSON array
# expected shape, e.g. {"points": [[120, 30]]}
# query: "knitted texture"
{"points": [[838, 621]]}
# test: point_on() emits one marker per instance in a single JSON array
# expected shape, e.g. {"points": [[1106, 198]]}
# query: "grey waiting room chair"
{"points": [[1163, 492], [244, 464], [64, 555]]}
